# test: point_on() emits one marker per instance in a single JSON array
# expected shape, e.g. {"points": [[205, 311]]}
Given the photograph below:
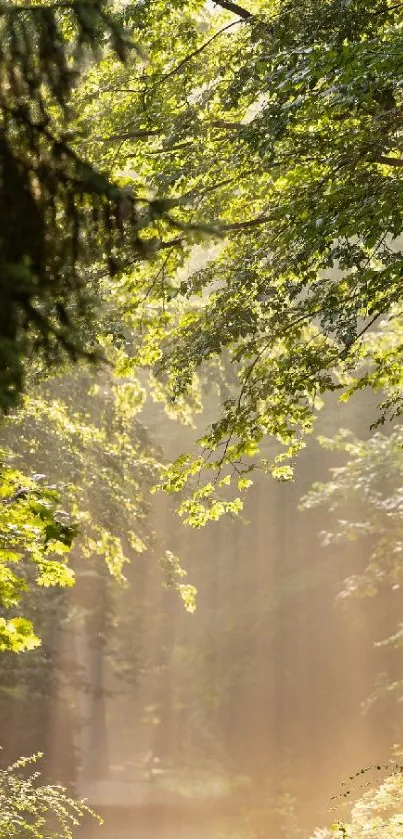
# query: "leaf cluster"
{"points": [[35, 540]]}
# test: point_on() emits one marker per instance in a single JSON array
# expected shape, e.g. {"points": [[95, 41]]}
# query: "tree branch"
{"points": [[243, 225], [237, 225], [141, 133], [193, 54], [171, 149], [222, 123], [172, 243], [233, 7], [38, 7], [390, 161]]}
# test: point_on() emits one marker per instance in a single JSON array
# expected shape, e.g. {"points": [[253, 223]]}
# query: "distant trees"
{"points": [[365, 500]]}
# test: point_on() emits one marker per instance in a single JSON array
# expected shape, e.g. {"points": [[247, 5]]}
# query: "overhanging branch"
{"points": [[233, 7], [244, 225], [390, 161]]}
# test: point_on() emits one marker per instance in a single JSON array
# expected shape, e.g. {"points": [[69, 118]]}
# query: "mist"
{"points": [[240, 719]]}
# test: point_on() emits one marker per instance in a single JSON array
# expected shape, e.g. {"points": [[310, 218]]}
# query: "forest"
{"points": [[201, 444]]}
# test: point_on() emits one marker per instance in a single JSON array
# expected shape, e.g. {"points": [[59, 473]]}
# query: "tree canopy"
{"points": [[269, 129], [364, 498], [274, 130]]}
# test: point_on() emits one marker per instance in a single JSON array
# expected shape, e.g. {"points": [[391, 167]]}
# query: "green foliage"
{"points": [[28, 809], [173, 573], [271, 132], [35, 540], [60, 215], [90, 425], [86, 429], [278, 131], [364, 497]]}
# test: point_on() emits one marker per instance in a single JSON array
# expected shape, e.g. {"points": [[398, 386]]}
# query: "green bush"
{"points": [[29, 810]]}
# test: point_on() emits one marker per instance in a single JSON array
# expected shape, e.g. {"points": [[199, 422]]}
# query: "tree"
{"points": [[277, 127], [59, 214]]}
